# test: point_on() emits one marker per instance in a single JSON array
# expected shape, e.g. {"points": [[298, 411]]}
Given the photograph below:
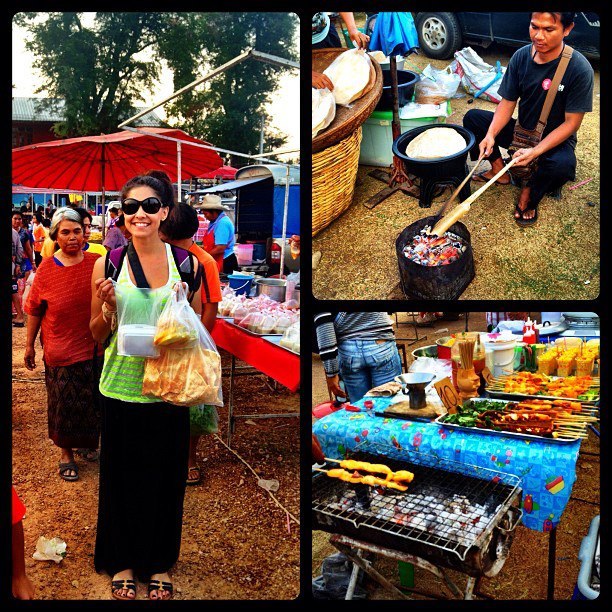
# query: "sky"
{"points": [[283, 111]]}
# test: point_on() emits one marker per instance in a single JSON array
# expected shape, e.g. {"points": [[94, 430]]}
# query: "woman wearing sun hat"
{"points": [[220, 237]]}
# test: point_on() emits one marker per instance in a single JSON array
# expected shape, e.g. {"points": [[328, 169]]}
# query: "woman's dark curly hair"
{"points": [[158, 181]]}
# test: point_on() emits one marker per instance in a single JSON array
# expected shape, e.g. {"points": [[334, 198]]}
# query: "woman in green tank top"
{"points": [[144, 442]]}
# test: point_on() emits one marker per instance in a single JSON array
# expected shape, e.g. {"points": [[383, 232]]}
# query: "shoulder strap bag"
{"points": [[527, 139]]}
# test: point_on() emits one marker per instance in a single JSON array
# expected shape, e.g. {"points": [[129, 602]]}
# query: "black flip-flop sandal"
{"points": [[158, 585], [123, 583], [64, 468], [527, 222]]}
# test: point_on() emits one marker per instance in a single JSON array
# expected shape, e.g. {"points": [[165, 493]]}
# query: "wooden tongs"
{"points": [[442, 226]]}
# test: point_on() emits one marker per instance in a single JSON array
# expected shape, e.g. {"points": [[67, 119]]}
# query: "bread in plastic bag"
{"points": [[323, 109], [350, 74], [436, 86], [190, 374]]}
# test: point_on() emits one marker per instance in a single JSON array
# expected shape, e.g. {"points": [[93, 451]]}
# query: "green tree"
{"points": [[96, 71], [227, 110], [100, 73]]}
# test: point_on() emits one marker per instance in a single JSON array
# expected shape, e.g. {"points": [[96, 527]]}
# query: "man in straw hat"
{"points": [[220, 236]]}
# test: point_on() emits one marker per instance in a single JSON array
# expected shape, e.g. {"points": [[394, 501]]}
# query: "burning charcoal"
{"points": [[385, 514]]}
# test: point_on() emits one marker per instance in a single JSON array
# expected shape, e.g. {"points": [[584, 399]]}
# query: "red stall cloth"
{"points": [[272, 360]]}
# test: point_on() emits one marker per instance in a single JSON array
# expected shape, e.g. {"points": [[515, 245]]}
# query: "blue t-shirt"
{"points": [[224, 233]]}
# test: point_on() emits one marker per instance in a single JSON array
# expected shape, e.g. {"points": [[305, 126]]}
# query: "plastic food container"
{"points": [[136, 340]]}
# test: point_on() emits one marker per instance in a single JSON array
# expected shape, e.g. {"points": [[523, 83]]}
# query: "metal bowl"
{"points": [[274, 288]]}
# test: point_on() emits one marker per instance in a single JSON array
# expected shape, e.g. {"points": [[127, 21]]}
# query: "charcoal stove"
{"points": [[453, 515]]}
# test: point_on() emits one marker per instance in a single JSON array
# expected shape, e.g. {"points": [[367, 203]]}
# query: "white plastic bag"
{"points": [[436, 86], [188, 370], [323, 109], [476, 74], [350, 74], [50, 550], [137, 313]]}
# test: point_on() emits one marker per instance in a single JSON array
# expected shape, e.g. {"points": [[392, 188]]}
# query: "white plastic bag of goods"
{"points": [[436, 86], [323, 109], [350, 74], [413, 110], [475, 74]]}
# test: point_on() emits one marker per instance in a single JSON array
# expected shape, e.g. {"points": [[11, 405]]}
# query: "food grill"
{"points": [[453, 515]]}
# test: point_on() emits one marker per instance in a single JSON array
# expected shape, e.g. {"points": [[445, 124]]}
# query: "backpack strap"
{"points": [[184, 264], [114, 261]]}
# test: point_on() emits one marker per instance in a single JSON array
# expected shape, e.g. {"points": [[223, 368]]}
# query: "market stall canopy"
{"points": [[108, 161], [28, 190], [225, 172]]}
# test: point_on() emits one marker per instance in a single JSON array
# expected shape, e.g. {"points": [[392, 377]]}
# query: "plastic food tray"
{"points": [[504, 394], [511, 434]]}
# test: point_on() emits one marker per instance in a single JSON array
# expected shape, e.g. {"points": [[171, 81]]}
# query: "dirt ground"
{"points": [[558, 258], [237, 543], [524, 575]]}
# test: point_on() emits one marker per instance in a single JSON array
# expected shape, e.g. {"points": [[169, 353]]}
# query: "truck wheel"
{"points": [[439, 34]]}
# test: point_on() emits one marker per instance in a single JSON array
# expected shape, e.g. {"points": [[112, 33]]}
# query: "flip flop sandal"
{"points": [[517, 210], [64, 468], [196, 480], [527, 222], [481, 178], [158, 585], [123, 583], [18, 324], [89, 454]]}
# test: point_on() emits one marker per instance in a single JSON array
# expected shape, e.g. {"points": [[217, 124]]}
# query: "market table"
{"points": [[547, 468], [266, 357]]}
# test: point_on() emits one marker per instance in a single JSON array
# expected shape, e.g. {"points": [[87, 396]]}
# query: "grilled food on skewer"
{"points": [[370, 479], [375, 468]]}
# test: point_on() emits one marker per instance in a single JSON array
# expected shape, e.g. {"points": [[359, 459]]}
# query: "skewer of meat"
{"points": [[375, 468], [369, 479]]}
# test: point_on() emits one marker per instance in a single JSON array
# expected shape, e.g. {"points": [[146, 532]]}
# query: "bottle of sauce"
{"points": [[529, 335]]}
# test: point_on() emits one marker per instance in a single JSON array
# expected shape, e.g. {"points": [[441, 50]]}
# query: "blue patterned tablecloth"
{"points": [[547, 469]]}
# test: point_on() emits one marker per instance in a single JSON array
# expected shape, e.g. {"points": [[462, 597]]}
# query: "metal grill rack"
{"points": [[450, 510]]}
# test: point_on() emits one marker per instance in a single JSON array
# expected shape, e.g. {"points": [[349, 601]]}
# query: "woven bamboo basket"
{"points": [[334, 171]]}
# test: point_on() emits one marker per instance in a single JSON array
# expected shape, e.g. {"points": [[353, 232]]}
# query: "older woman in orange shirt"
{"points": [[58, 306]]}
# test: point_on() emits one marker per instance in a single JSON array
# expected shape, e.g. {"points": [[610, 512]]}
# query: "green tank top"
{"points": [[122, 376]]}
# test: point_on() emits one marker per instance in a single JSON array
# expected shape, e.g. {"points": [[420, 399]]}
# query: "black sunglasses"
{"points": [[130, 206]]}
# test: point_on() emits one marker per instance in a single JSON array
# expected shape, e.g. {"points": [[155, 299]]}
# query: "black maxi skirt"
{"points": [[143, 468]]}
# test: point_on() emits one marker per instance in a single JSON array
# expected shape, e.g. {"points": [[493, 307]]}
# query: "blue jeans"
{"points": [[365, 364]]}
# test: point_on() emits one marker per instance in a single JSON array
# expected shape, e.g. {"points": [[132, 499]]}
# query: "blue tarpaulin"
{"points": [[394, 34], [293, 212]]}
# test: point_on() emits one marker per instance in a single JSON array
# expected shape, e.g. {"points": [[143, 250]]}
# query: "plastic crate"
{"points": [[377, 136]]}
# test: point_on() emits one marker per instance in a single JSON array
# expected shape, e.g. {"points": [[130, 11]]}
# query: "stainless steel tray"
{"points": [[498, 393], [252, 333], [276, 340], [512, 434]]}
